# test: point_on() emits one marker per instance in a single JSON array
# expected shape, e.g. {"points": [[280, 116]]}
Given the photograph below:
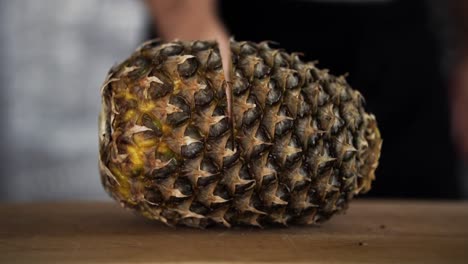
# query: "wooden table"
{"points": [[370, 232]]}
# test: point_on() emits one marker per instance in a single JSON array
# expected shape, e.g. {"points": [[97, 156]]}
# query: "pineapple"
{"points": [[282, 142]]}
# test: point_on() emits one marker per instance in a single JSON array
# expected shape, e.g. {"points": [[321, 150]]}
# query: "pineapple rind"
{"points": [[300, 147]]}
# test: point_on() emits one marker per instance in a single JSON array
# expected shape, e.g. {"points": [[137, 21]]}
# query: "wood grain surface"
{"points": [[370, 232]]}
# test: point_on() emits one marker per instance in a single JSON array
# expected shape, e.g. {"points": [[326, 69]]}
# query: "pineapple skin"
{"points": [[297, 149]]}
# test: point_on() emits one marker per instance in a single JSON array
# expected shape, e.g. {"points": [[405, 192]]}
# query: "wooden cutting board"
{"points": [[370, 232]]}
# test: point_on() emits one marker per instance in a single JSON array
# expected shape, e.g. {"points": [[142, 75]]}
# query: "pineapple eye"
{"points": [[199, 208], [192, 150], [322, 98], [348, 155], [249, 184], [303, 109], [153, 124], [204, 97], [156, 91], [285, 125], [138, 68], [165, 172], [240, 189], [188, 67], [172, 50], [269, 179], [301, 185], [251, 116], [247, 49], [219, 128], [214, 61], [274, 95], [200, 46], [178, 118], [230, 160], [261, 70], [208, 165], [184, 185], [240, 85], [222, 191], [292, 80], [154, 196], [281, 61]]}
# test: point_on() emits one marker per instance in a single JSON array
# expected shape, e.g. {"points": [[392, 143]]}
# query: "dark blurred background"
{"points": [[406, 57]]}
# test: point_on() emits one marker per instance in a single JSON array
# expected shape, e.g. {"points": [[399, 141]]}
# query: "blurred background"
{"points": [[408, 58]]}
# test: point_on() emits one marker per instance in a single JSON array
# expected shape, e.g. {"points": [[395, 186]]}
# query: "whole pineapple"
{"points": [[282, 142]]}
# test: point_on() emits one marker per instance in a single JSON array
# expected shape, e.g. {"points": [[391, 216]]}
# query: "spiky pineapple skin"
{"points": [[297, 149]]}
